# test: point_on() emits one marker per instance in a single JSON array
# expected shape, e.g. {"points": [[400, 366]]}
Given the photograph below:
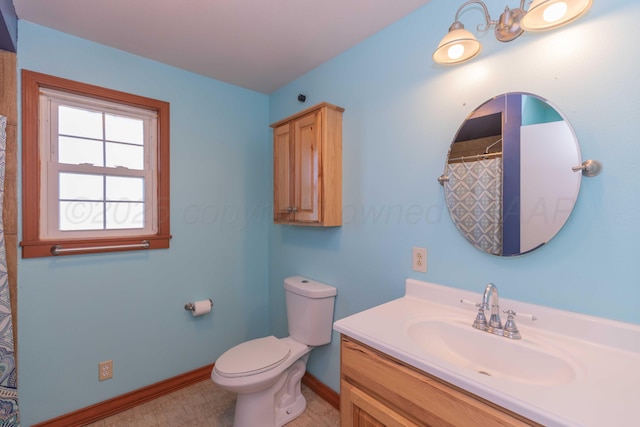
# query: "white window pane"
{"points": [[76, 186], [81, 215], [124, 129], [125, 189], [74, 151], [79, 122], [125, 215], [128, 156]]}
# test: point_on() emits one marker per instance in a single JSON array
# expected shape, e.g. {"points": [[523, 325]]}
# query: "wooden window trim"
{"points": [[32, 245]]}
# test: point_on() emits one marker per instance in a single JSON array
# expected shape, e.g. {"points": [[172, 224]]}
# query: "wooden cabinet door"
{"points": [[358, 409], [283, 195], [307, 183]]}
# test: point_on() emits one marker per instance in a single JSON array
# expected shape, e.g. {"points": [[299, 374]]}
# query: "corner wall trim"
{"points": [[134, 398]]}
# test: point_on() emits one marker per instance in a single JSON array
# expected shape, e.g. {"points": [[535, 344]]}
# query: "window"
{"points": [[95, 169]]}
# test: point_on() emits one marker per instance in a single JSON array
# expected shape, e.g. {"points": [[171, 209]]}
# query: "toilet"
{"points": [[266, 372]]}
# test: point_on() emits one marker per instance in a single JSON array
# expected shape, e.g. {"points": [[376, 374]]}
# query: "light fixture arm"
{"points": [[507, 27], [487, 17]]}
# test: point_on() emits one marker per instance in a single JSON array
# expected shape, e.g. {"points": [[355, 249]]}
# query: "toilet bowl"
{"points": [[258, 370], [266, 372]]}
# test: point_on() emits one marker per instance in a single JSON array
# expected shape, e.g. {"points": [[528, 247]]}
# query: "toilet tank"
{"points": [[309, 310]]}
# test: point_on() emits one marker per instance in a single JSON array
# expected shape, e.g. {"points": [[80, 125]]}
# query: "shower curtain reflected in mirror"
{"points": [[474, 198], [8, 374]]}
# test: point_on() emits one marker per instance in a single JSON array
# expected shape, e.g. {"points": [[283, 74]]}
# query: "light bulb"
{"points": [[456, 51], [555, 12]]}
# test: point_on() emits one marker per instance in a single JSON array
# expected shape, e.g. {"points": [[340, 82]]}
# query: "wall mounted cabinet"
{"points": [[307, 167]]}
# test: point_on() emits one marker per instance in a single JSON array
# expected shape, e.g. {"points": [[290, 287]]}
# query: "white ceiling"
{"points": [[257, 44]]}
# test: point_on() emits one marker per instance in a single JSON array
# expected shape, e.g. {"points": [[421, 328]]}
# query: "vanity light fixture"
{"points": [[460, 45]]}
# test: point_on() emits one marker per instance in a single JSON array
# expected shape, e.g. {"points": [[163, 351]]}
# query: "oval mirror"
{"points": [[509, 183]]}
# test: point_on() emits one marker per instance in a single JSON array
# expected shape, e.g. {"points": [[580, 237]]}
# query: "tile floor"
{"points": [[205, 405]]}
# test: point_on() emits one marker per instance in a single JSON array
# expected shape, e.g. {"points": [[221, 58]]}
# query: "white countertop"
{"points": [[604, 354]]}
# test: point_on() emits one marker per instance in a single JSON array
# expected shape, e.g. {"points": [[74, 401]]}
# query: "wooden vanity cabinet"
{"points": [[307, 167], [377, 390]]}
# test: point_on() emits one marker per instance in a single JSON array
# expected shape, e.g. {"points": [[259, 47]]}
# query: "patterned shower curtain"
{"points": [[8, 374], [474, 198]]}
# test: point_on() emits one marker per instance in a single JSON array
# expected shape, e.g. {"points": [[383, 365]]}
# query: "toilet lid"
{"points": [[252, 357]]}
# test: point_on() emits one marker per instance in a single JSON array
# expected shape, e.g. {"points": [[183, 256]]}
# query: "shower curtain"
{"points": [[8, 374], [474, 199]]}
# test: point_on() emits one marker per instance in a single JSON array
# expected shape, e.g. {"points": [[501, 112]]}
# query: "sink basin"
{"points": [[456, 342]]}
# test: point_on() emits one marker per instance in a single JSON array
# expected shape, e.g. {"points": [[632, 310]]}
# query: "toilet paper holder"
{"points": [[190, 306]]}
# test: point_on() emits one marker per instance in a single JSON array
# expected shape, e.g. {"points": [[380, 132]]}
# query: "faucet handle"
{"points": [[466, 301], [512, 313], [481, 321], [510, 328]]}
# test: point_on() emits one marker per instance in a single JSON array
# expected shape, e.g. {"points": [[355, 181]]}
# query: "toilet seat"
{"points": [[252, 357]]}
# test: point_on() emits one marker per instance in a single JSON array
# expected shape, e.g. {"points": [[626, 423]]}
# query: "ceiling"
{"points": [[258, 44]]}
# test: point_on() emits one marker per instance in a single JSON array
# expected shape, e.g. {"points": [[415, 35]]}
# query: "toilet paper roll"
{"points": [[201, 307]]}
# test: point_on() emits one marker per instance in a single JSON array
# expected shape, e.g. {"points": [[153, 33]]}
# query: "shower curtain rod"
{"points": [[476, 157], [486, 150]]}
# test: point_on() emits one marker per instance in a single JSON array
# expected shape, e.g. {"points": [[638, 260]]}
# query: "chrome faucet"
{"points": [[490, 299], [491, 294]]}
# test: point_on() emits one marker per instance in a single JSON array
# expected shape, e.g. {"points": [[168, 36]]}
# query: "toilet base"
{"points": [[290, 401], [276, 405]]}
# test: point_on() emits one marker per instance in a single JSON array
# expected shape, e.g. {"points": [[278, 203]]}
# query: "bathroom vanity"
{"points": [[379, 390], [418, 361]]}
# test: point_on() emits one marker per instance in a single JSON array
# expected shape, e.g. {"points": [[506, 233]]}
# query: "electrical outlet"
{"points": [[420, 259], [105, 370]]}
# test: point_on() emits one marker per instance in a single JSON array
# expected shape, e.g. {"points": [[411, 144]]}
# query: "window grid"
{"points": [[105, 202], [52, 227]]}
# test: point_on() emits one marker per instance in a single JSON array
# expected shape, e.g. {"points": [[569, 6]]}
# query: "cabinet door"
{"points": [[283, 173], [307, 184], [358, 409]]}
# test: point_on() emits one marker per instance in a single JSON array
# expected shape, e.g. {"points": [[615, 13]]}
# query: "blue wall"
{"points": [[75, 312], [401, 113]]}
